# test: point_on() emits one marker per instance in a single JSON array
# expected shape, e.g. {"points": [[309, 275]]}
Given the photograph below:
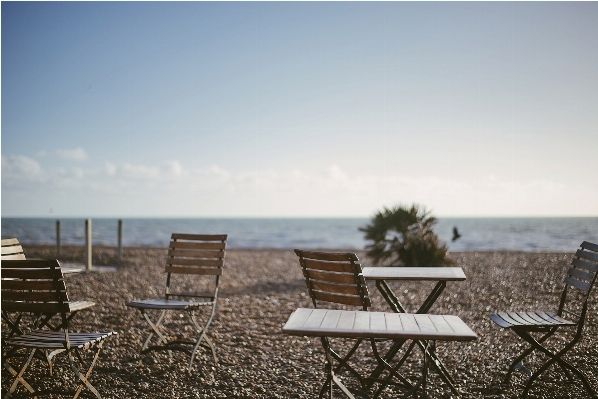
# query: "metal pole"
{"points": [[120, 240], [88, 244], [58, 239]]}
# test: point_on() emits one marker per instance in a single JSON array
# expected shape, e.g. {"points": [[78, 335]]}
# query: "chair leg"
{"points": [[19, 376], [342, 364], [203, 336], [155, 328], [554, 358], [524, 354], [85, 378]]}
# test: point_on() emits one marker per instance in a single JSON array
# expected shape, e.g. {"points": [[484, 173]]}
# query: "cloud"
{"points": [[75, 154], [139, 189], [20, 167]]}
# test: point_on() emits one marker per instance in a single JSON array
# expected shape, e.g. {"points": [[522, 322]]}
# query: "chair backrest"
{"points": [[581, 277], [34, 286], [11, 249], [194, 254], [334, 277]]}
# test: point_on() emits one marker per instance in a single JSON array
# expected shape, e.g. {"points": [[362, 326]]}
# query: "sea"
{"points": [[562, 234]]}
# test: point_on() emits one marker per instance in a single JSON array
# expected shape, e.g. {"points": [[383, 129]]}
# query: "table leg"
{"points": [[397, 307]]}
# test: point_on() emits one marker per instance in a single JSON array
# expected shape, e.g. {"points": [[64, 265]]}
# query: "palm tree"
{"points": [[403, 236]]}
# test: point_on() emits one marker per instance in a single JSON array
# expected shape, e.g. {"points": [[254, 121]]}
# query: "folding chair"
{"points": [[38, 286], [578, 283], [191, 257], [336, 278], [12, 250]]}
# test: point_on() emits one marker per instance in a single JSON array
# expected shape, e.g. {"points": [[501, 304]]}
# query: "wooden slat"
{"points": [[587, 255], [409, 323], [13, 257], [328, 266], [559, 319], [46, 296], [336, 288], [441, 325], [425, 324], [197, 245], [346, 321], [195, 262], [206, 271], [590, 246], [513, 320], [337, 298], [578, 284], [9, 241], [327, 256], [539, 320], [196, 253], [29, 264], [499, 320], [458, 326], [414, 273], [200, 237], [377, 321], [28, 273], [581, 275], [33, 307], [298, 318], [331, 319], [314, 319], [14, 249], [331, 277], [593, 267], [44, 285], [527, 318]]}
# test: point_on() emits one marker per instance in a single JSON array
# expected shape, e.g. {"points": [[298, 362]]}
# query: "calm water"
{"points": [[477, 234]]}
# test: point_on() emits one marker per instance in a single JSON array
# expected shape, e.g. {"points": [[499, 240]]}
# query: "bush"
{"points": [[404, 237]]}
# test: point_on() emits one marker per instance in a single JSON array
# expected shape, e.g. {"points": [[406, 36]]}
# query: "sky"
{"points": [[298, 109]]}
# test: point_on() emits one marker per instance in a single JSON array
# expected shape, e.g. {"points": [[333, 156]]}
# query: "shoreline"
{"points": [[261, 287]]}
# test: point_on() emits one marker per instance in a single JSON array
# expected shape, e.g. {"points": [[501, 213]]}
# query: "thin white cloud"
{"points": [[74, 154], [20, 167]]}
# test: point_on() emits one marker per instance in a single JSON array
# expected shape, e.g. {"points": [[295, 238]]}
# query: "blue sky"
{"points": [[299, 109]]}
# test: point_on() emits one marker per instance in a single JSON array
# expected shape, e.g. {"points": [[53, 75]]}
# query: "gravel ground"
{"points": [[260, 289]]}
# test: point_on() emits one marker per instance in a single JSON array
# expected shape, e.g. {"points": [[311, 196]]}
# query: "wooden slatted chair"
{"points": [[38, 286], [191, 257], [336, 278], [12, 250], [579, 280]]}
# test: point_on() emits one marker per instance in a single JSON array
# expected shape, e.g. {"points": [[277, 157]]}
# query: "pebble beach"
{"points": [[261, 288]]}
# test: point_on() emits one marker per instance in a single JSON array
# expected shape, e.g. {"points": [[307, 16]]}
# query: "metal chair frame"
{"points": [[38, 286], [189, 254], [581, 276]]}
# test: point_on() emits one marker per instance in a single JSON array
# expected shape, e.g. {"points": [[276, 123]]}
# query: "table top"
{"points": [[362, 324], [414, 273]]}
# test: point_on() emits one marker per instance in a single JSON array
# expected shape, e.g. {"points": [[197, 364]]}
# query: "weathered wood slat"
{"points": [[577, 284], [350, 289], [11, 306], [46, 296], [328, 256], [592, 267], [331, 319], [342, 299], [14, 249], [590, 246], [195, 262], [587, 255], [377, 321], [425, 324], [42, 285], [8, 242], [197, 245], [196, 253], [500, 321], [205, 271], [344, 278], [46, 274], [328, 266], [201, 237], [14, 257], [581, 275]]}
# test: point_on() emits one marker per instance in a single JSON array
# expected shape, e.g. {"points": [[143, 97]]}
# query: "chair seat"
{"points": [[161, 303], [76, 306], [529, 319], [56, 339]]}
